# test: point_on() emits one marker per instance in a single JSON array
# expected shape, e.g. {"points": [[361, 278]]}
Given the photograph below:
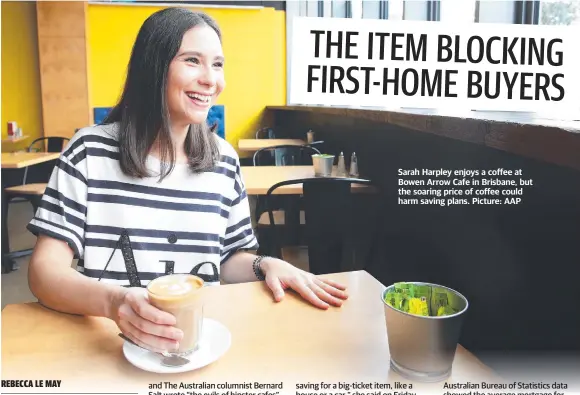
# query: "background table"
{"points": [[256, 144], [290, 342], [10, 140], [19, 160], [258, 179]]}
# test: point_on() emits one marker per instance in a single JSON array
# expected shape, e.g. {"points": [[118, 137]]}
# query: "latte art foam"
{"points": [[174, 285], [174, 289]]}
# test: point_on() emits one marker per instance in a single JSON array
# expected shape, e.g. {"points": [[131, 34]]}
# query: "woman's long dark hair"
{"points": [[142, 112]]}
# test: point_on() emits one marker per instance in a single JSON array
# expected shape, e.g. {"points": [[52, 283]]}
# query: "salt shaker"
{"points": [[353, 166], [341, 168]]}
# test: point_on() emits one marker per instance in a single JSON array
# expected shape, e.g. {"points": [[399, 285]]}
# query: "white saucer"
{"points": [[215, 341]]}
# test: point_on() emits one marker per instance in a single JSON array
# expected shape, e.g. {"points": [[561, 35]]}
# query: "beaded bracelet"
{"points": [[257, 269]]}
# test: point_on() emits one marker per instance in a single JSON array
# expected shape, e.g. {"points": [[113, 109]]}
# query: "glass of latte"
{"points": [[180, 295]]}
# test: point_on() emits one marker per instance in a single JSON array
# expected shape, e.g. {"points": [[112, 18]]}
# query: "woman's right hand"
{"points": [[143, 323]]}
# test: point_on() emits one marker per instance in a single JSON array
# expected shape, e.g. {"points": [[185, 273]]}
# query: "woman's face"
{"points": [[196, 76]]}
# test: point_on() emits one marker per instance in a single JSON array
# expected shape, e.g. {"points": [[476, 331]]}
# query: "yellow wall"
{"points": [[254, 46], [21, 100]]}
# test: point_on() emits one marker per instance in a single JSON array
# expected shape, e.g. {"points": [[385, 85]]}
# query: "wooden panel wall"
{"points": [[63, 66]]}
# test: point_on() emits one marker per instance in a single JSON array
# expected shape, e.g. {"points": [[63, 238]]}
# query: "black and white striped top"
{"points": [[188, 223]]}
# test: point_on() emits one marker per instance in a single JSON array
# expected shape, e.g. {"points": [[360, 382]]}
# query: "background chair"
{"points": [[265, 133], [39, 175], [36, 177], [340, 227], [288, 215], [317, 144], [284, 155], [48, 144], [280, 155]]}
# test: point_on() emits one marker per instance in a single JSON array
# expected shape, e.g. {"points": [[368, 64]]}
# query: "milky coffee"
{"points": [[181, 296]]}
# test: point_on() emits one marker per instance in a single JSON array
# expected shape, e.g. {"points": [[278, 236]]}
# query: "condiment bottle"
{"points": [[353, 165], [341, 167]]}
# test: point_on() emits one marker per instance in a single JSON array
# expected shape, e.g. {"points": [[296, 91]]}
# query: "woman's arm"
{"points": [[281, 275], [59, 287], [239, 268]]}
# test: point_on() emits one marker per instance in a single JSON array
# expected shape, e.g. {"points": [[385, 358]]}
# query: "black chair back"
{"points": [[265, 133], [284, 155], [41, 172], [317, 144], [53, 144], [340, 226]]}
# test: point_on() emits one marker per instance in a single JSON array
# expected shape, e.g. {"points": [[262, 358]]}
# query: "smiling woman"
{"points": [[179, 54], [153, 191]]}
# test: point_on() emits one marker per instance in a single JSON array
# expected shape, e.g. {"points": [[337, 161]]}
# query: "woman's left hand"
{"points": [[281, 275]]}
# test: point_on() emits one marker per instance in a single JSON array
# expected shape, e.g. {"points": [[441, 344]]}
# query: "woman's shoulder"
{"points": [[104, 136], [227, 150], [97, 132], [94, 140]]}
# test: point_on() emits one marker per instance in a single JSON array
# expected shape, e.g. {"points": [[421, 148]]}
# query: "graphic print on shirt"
{"points": [[129, 258], [124, 245]]}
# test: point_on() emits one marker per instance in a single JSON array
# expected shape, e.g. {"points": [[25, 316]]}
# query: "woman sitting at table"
{"points": [[153, 191]]}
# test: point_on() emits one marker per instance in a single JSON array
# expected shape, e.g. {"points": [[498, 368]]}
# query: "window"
{"points": [[372, 9], [320, 8], [310, 8], [563, 12], [417, 10], [395, 9], [458, 11], [474, 11], [496, 11], [340, 9]]}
